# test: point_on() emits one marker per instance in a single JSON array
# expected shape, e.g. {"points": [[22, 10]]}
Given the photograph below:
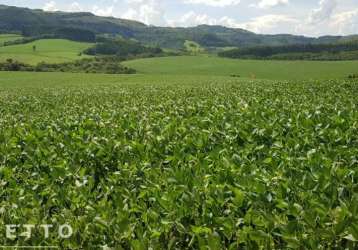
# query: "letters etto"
{"points": [[13, 231]]}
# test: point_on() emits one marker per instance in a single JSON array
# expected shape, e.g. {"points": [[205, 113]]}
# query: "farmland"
{"points": [[179, 160], [275, 70], [47, 50], [62, 50], [8, 37], [118, 134]]}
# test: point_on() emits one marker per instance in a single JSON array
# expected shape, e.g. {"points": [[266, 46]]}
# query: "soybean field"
{"points": [[179, 162]]}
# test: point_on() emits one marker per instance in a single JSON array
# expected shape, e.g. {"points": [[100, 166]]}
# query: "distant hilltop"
{"points": [[36, 22]]}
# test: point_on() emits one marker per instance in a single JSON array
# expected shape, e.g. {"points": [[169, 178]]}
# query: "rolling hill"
{"points": [[47, 50], [38, 22], [8, 37]]}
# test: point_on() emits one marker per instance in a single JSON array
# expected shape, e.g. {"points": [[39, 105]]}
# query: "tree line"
{"points": [[121, 48], [105, 65], [338, 51]]}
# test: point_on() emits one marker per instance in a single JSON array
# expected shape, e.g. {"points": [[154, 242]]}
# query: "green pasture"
{"points": [[260, 69], [47, 50], [8, 37]]}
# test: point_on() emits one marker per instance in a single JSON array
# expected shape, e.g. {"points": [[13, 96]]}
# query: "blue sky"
{"points": [[306, 17]]}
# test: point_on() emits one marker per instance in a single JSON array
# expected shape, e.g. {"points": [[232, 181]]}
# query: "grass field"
{"points": [[47, 50], [179, 161], [8, 37], [276, 70]]}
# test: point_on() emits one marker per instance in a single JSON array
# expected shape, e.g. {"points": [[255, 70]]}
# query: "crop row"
{"points": [[235, 165]]}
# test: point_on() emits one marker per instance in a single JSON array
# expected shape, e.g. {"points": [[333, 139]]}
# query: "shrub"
{"points": [[11, 65], [106, 65]]}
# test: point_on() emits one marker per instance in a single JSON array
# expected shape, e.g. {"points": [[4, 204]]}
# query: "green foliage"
{"points": [[11, 65], [193, 47], [211, 40], [338, 51], [321, 56], [121, 48], [105, 65], [149, 162], [75, 34]]}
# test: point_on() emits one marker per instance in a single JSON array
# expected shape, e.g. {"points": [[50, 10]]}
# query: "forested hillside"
{"points": [[63, 24], [335, 51]]}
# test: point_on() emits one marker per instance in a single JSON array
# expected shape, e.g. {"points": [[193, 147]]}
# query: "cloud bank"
{"points": [[261, 16]]}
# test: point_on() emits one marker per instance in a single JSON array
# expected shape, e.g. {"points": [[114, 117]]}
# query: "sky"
{"points": [[300, 17]]}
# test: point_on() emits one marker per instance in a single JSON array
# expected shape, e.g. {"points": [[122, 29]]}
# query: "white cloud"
{"points": [[75, 7], [261, 24], [264, 4], [346, 22], [327, 20], [329, 17], [148, 12], [50, 6], [135, 1], [320, 21], [193, 19], [324, 12], [271, 24], [106, 11], [214, 3]]}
